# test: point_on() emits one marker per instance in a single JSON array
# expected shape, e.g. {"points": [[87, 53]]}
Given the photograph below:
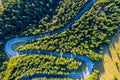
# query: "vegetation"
{"points": [[1, 5], [109, 66], [116, 48], [27, 64], [28, 17], [67, 10], [87, 36], [93, 76], [115, 78], [31, 17], [18, 14], [118, 66]]}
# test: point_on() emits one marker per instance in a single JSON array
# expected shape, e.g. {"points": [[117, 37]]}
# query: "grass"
{"points": [[110, 69], [0, 5], [110, 65], [93, 75]]}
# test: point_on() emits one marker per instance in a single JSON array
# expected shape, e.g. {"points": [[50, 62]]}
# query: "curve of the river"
{"points": [[10, 52]]}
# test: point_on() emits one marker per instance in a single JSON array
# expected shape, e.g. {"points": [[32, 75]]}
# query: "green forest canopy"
{"points": [[87, 36], [20, 66]]}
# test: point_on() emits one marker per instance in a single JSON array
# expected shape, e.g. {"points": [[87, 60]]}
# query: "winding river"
{"points": [[89, 65]]}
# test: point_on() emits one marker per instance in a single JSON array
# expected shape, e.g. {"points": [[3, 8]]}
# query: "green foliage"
{"points": [[68, 10], [115, 78], [87, 36], [19, 14], [25, 17], [31, 17], [2, 70], [29, 64], [92, 76]]}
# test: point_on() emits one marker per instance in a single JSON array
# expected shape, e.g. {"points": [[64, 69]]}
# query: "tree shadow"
{"points": [[99, 66], [3, 2]]}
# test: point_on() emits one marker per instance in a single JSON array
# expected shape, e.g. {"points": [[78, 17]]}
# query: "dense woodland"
{"points": [[38, 63], [93, 76], [27, 17], [87, 36], [32, 17]]}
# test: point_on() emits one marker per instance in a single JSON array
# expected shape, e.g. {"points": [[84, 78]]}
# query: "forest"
{"points": [[93, 76], [31, 64], [25, 17], [88, 36], [30, 18]]}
